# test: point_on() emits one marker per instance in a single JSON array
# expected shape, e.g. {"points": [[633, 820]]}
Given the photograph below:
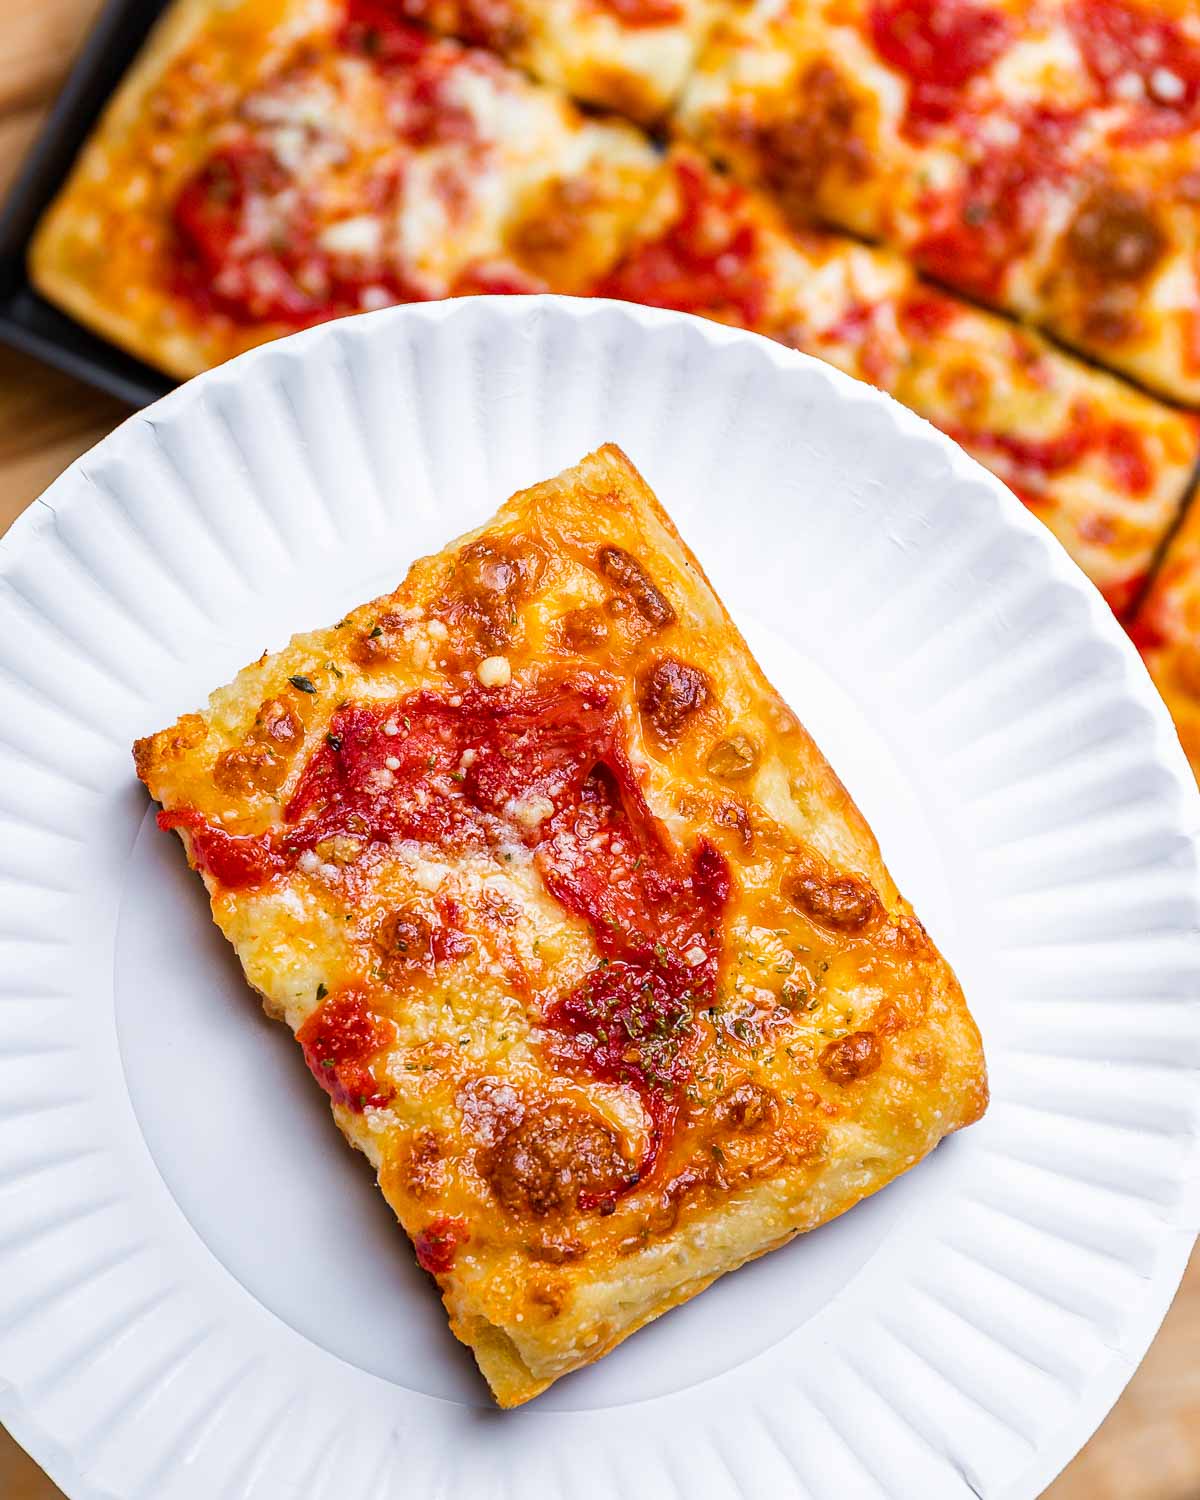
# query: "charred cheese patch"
{"points": [[269, 164], [1039, 157], [594, 956], [1104, 467]]}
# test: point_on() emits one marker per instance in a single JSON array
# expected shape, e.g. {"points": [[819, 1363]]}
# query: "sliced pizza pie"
{"points": [[1104, 466], [631, 56], [1166, 629], [1041, 157], [594, 956], [272, 163], [285, 161]]}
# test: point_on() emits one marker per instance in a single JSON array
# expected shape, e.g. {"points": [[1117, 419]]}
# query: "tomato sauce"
{"points": [[1128, 462], [1145, 634], [639, 13], [467, 775], [377, 29], [705, 261], [926, 314], [437, 1244], [939, 45], [232, 859], [994, 217], [442, 773], [1123, 593], [339, 1039], [853, 326], [1032, 461], [225, 265], [1121, 41], [657, 922]]}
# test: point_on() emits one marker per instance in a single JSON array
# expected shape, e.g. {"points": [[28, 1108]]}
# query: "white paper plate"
{"points": [[202, 1297]]}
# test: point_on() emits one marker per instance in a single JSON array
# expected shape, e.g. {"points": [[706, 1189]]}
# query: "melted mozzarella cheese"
{"points": [[362, 235], [1044, 65]]}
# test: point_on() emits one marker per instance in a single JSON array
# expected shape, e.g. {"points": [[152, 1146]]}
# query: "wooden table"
{"points": [[1149, 1449]]}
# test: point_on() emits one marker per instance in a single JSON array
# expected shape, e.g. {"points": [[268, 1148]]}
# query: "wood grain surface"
{"points": [[1148, 1449]]}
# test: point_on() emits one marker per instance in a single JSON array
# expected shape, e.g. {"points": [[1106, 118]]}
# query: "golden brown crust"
{"points": [[581, 1121]]}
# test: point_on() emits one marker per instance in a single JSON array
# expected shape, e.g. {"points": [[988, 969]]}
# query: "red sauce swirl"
{"points": [[447, 776], [939, 45]]}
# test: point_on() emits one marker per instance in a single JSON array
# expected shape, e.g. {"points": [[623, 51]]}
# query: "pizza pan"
{"points": [[27, 320]]}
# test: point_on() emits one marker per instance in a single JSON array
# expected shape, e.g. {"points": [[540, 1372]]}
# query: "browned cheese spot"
{"points": [[734, 815], [733, 758], [841, 903], [688, 1183], [556, 1249], [404, 941], [817, 136], [1112, 245], [748, 1107], [424, 1170], [584, 629], [623, 569], [491, 578], [670, 694], [260, 763], [1115, 235], [378, 642], [553, 1156], [851, 1057], [550, 1296]]}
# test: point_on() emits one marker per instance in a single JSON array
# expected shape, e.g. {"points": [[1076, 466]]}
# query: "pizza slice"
{"points": [[593, 954], [1041, 158], [269, 164], [1103, 466], [631, 56], [1166, 630]]}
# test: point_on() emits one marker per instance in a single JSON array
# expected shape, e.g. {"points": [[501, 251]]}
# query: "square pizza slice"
{"points": [[631, 56], [268, 164], [1104, 466], [1166, 630], [1042, 158], [593, 954]]}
